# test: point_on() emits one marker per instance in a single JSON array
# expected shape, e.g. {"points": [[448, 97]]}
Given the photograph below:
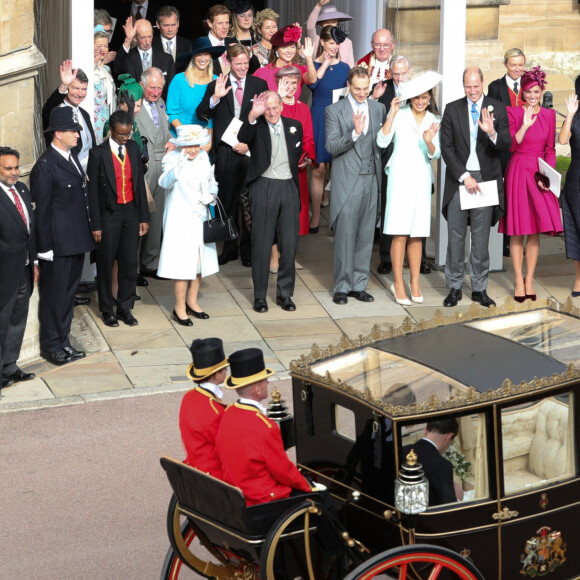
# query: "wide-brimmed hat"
{"points": [[63, 119], [420, 84], [188, 135], [238, 6], [208, 358], [247, 367], [131, 86], [286, 35], [329, 12], [199, 45]]}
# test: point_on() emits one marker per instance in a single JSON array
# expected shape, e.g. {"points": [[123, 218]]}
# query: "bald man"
{"points": [[144, 55], [377, 61]]}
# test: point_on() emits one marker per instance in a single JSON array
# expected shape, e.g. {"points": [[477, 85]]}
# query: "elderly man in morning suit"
{"points": [[17, 256], [153, 123], [377, 61], [351, 128], [471, 139]]}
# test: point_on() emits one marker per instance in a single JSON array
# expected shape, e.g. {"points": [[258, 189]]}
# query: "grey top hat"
{"points": [[63, 119]]}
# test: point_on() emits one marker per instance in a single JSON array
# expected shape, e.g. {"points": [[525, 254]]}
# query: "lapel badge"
{"points": [[543, 553]]}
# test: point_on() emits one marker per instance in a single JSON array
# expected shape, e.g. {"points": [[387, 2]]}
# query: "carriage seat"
{"points": [[219, 503], [535, 445]]}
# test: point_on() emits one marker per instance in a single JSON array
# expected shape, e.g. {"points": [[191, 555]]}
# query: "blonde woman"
{"points": [[265, 26]]}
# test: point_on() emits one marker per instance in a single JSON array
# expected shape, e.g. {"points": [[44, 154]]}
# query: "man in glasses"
{"points": [[377, 61], [119, 216]]}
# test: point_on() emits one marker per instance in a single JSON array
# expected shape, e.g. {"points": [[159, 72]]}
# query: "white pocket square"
{"points": [[298, 144]]}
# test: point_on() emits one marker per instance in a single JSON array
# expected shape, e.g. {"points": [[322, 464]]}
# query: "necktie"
{"points": [[239, 93], [18, 204], [276, 129], [145, 60], [154, 114], [474, 113], [169, 47], [121, 156], [516, 87], [138, 14]]}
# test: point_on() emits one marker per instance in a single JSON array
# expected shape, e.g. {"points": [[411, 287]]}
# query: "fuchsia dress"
{"points": [[528, 209]]}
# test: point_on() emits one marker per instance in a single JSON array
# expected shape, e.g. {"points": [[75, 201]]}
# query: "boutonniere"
{"points": [[292, 130], [490, 109]]}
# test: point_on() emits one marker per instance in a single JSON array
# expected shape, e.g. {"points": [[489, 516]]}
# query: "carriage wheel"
{"points": [[404, 563], [183, 537]]}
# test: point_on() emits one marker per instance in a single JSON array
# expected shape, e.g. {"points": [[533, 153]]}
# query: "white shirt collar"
{"points": [[64, 153], [258, 406], [233, 80], [432, 442], [355, 104], [115, 146], [215, 389], [214, 40], [149, 52], [510, 82]]}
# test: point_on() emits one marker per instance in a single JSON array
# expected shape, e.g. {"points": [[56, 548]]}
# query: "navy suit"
{"points": [[119, 223], [59, 189], [17, 246]]}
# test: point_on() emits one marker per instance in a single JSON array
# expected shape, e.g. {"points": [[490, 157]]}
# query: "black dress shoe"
{"points": [[260, 305], [182, 321], [340, 298], [225, 258], [6, 383], [385, 268], [85, 287], [58, 358], [425, 268], [19, 375], [286, 303], [72, 351], [152, 274], [361, 296], [127, 317], [141, 281], [454, 296], [110, 319], [81, 301], [482, 298], [192, 312], [247, 262]]}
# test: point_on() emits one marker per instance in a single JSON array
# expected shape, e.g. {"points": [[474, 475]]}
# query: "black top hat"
{"points": [[63, 119], [247, 367], [208, 358], [199, 45]]}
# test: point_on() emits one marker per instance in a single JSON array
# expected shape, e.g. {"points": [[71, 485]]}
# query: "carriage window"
{"points": [[467, 455], [538, 443], [344, 423]]}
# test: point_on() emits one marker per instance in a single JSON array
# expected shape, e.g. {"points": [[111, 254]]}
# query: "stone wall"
{"points": [[20, 60]]}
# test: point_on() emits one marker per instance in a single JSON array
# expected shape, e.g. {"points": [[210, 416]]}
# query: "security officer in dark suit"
{"points": [[58, 186], [17, 255], [119, 215]]}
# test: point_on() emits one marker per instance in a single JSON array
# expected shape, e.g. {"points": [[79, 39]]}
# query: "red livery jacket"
{"points": [[368, 62], [253, 458], [199, 418]]}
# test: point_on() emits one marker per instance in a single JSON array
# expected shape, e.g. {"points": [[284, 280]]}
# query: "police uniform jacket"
{"points": [[250, 447], [199, 418]]}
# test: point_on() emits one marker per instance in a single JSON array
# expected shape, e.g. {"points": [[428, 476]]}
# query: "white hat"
{"points": [[420, 84], [188, 135]]}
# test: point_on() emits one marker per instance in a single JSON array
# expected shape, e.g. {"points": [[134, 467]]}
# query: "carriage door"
{"points": [[538, 511]]}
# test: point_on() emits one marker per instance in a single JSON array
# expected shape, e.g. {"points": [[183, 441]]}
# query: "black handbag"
{"points": [[221, 228]]}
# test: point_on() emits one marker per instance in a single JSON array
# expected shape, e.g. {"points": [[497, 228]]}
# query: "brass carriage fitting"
{"points": [[349, 541], [388, 514], [355, 495]]}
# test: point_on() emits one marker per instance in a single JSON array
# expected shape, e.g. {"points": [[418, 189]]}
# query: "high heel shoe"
{"points": [[182, 321], [403, 302], [575, 293], [531, 297], [519, 299], [417, 299], [192, 312]]}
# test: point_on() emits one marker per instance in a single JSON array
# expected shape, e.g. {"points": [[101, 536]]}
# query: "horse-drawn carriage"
{"points": [[506, 375]]}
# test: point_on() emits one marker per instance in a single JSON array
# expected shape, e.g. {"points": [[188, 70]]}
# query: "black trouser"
{"points": [[119, 242], [57, 285], [230, 173]]}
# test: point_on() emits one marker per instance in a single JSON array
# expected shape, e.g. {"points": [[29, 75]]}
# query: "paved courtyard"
{"points": [[153, 356]]}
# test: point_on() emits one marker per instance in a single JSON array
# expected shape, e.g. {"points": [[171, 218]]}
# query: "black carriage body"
{"points": [[357, 405]]}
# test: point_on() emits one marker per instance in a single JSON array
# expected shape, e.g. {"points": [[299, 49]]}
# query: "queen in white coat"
{"points": [[413, 129], [188, 177]]}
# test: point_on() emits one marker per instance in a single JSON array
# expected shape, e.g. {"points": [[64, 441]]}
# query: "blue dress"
{"points": [[183, 100], [335, 77]]}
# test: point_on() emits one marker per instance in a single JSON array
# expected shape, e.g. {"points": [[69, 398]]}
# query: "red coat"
{"points": [[368, 62], [300, 112], [199, 418], [253, 458]]}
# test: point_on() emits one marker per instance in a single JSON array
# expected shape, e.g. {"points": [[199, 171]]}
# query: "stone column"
{"points": [[20, 60]]}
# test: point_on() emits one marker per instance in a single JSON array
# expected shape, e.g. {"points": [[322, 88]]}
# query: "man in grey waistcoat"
{"points": [[351, 128], [153, 123]]}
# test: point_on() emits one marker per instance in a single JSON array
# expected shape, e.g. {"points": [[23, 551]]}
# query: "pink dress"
{"points": [[528, 209], [267, 73]]}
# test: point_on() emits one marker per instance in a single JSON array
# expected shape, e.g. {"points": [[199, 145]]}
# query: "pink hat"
{"points": [[536, 76]]}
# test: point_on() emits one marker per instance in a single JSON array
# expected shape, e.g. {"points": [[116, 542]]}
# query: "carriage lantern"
{"points": [[411, 487]]}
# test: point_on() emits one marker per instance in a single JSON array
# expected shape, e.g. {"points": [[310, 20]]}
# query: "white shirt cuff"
{"points": [[463, 177], [355, 136], [48, 256]]}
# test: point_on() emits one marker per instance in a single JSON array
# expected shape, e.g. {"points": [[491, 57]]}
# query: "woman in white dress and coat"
{"points": [[413, 129], [188, 176]]}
